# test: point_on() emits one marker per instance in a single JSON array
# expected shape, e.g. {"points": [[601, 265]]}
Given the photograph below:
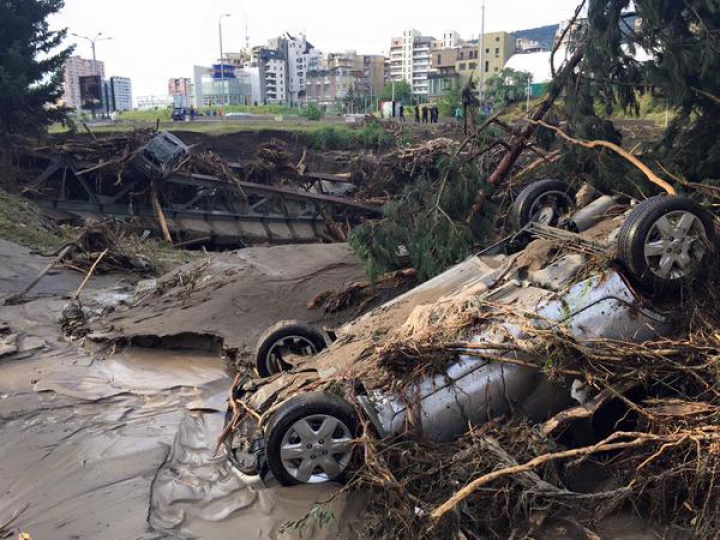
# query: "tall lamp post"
{"points": [[98, 37], [222, 66], [482, 58]]}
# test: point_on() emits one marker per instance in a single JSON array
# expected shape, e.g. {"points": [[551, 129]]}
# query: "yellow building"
{"points": [[498, 48]]}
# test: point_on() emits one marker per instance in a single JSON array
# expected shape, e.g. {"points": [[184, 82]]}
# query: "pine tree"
{"points": [[684, 38], [31, 60]]}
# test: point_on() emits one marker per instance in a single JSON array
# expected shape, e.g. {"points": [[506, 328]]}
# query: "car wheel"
{"points": [[282, 340], [545, 201], [665, 242], [309, 439]]}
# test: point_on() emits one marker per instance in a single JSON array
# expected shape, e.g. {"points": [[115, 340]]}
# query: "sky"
{"points": [[154, 40]]}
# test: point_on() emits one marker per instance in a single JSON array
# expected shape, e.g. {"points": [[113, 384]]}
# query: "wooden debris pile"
{"points": [[650, 435]]}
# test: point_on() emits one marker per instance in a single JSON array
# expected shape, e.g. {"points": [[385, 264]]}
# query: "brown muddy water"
{"points": [[119, 444]]}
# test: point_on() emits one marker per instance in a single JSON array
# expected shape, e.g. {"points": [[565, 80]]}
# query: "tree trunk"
{"points": [[508, 162], [8, 174]]}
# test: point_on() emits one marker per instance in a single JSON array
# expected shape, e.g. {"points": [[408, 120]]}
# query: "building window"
{"points": [[487, 66], [439, 59], [462, 55], [497, 39], [472, 65], [462, 67], [497, 53]]}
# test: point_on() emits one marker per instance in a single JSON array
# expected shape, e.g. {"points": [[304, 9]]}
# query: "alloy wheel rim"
{"points": [[675, 245], [316, 449], [285, 347], [548, 207]]}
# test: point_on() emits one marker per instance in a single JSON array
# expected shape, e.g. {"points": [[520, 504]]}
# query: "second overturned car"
{"points": [[300, 423]]}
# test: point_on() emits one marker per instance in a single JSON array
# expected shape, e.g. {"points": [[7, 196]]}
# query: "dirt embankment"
{"points": [[234, 297]]}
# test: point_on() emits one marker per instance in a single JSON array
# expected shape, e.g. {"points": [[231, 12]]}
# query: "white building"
{"points": [[74, 68], [120, 94], [410, 57], [301, 58], [451, 40], [272, 71]]}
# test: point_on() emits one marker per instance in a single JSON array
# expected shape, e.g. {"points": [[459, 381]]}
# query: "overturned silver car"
{"points": [[300, 426]]}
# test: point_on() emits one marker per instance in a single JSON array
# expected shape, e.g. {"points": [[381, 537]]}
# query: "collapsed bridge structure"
{"points": [[124, 181]]}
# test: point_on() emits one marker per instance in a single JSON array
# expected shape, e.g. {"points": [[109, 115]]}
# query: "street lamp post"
{"points": [[482, 57], [222, 66], [98, 37]]}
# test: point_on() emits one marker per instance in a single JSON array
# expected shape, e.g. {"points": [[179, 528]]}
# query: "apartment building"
{"points": [[301, 58], [411, 57], [368, 70], [490, 58], [442, 76], [273, 75], [328, 86], [74, 68]]}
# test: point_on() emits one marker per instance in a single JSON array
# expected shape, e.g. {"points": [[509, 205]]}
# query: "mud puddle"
{"points": [[119, 443]]}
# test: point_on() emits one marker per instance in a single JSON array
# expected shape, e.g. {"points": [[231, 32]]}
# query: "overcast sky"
{"points": [[154, 40]]}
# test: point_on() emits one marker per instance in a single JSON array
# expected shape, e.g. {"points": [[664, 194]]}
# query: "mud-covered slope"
{"points": [[236, 296]]}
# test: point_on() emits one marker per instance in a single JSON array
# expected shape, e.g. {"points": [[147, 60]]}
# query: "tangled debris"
{"points": [[363, 293], [656, 444]]}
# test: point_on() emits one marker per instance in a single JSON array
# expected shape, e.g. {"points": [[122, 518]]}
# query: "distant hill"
{"points": [[543, 34]]}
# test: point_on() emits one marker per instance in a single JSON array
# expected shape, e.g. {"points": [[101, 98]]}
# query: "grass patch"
{"points": [[22, 222], [343, 138]]}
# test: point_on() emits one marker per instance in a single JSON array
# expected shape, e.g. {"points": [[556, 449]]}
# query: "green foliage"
{"points": [[313, 112], [331, 138], [684, 74], [450, 101], [354, 102], [507, 87], [30, 66], [403, 92], [164, 114], [341, 138], [429, 222]]}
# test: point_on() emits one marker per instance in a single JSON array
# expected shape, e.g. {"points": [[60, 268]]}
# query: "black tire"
{"points": [[266, 365], [635, 233], [521, 212], [295, 409]]}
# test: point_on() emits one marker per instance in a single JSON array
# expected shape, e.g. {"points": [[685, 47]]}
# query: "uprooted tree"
{"points": [[31, 59], [622, 50]]}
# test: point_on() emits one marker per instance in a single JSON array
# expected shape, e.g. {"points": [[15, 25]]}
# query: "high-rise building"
{"points": [[74, 68], [410, 58], [120, 94], [272, 70]]}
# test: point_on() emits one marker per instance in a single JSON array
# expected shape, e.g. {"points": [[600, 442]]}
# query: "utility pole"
{"points": [[98, 37], [222, 61], [482, 57], [529, 92]]}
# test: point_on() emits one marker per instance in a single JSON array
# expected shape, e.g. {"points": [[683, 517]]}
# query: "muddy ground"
{"points": [[118, 443]]}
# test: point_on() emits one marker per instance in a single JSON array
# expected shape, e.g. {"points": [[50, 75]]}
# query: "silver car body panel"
{"points": [[473, 391]]}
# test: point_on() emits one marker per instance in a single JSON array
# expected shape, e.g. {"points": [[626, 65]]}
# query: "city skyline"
{"points": [[153, 42]]}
